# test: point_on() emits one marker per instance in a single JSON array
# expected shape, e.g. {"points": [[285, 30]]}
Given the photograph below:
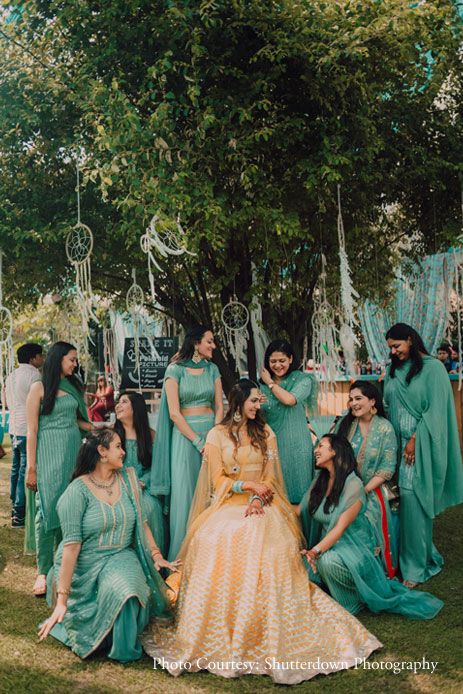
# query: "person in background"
{"points": [[419, 402], [103, 403], [56, 413], [444, 354], [18, 384], [287, 391], [374, 443], [191, 403], [137, 441]]}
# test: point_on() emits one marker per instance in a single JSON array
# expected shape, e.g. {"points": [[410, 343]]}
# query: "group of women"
{"points": [[244, 575]]}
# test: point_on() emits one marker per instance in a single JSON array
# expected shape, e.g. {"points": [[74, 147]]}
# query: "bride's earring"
{"points": [[196, 356], [237, 417]]}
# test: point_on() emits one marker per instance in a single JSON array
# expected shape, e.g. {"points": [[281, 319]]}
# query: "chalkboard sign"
{"points": [[155, 355]]}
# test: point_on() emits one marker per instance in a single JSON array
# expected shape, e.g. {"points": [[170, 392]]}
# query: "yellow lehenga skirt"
{"points": [[246, 606]]}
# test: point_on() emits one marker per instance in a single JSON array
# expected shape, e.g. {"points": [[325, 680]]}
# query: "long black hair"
{"points": [[192, 336], [402, 331], [51, 375], [369, 391], [344, 463], [256, 427], [141, 426], [88, 456], [283, 346]]}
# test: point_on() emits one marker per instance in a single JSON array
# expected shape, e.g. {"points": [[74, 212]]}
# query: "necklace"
{"points": [[108, 488]]}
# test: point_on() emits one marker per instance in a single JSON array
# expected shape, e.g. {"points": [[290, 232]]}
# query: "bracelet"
{"points": [[198, 443], [271, 385], [256, 497], [237, 487], [155, 551], [318, 552], [63, 591]]}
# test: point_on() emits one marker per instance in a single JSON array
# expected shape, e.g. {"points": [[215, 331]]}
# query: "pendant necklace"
{"points": [[108, 488]]}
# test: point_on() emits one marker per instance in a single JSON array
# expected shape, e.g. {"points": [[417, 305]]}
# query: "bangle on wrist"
{"points": [[318, 552], [198, 443], [256, 497], [237, 487], [271, 385]]}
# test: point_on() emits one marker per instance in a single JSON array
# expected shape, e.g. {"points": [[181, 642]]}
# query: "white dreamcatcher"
{"points": [[324, 335], [79, 247], [235, 320], [166, 239], [349, 296], [6, 343]]}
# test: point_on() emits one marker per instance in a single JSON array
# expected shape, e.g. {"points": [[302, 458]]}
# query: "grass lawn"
{"points": [[27, 666]]}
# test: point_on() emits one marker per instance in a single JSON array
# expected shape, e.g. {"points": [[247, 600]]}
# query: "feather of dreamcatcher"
{"points": [[347, 337]]}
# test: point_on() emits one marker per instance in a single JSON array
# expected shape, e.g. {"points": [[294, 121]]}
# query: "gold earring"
{"points": [[237, 417], [196, 356]]}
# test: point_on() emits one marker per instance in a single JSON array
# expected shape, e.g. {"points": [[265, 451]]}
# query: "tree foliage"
{"points": [[240, 117]]}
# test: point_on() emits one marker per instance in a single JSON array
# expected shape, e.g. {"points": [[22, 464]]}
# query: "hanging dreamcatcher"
{"points": [[349, 296], [6, 343], [79, 247], [459, 313], [165, 239], [235, 320], [324, 335]]}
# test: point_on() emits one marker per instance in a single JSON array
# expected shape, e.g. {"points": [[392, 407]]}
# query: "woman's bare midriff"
{"points": [[192, 411]]}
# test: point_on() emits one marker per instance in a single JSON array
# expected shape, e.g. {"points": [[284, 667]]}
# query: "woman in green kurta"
{"points": [[56, 412], [133, 427], [288, 392], [419, 402], [191, 403], [341, 554], [104, 582], [374, 443]]}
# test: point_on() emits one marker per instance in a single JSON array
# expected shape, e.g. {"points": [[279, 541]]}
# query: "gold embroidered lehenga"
{"points": [[245, 603]]}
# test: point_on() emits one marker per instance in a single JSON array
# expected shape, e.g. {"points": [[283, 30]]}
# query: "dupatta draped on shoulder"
{"points": [[67, 387], [159, 601], [438, 479]]}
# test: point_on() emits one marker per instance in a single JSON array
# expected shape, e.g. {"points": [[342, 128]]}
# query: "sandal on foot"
{"points": [[410, 584], [40, 586]]}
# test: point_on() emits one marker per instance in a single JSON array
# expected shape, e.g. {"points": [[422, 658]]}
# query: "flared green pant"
{"points": [[46, 542], [419, 559]]}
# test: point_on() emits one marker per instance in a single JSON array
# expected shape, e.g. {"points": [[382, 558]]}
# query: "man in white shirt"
{"points": [[18, 383]]}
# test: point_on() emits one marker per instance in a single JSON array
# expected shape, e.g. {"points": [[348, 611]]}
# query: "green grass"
{"points": [[29, 666]]}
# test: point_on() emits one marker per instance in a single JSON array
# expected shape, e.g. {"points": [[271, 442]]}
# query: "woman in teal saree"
{"points": [[374, 443], [419, 402], [104, 584], [341, 554]]}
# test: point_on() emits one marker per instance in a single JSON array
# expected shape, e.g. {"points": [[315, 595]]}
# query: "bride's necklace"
{"points": [[108, 488]]}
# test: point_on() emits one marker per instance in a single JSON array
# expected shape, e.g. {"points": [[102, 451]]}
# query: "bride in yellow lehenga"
{"points": [[245, 604]]}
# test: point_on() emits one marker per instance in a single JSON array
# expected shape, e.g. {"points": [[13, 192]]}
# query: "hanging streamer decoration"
{"points": [[349, 296], [134, 301], [79, 247], [6, 342], [166, 239], [235, 320], [324, 335], [110, 357]]}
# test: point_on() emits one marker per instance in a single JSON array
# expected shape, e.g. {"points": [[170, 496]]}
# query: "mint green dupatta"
{"points": [[159, 601], [67, 387], [438, 479]]}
